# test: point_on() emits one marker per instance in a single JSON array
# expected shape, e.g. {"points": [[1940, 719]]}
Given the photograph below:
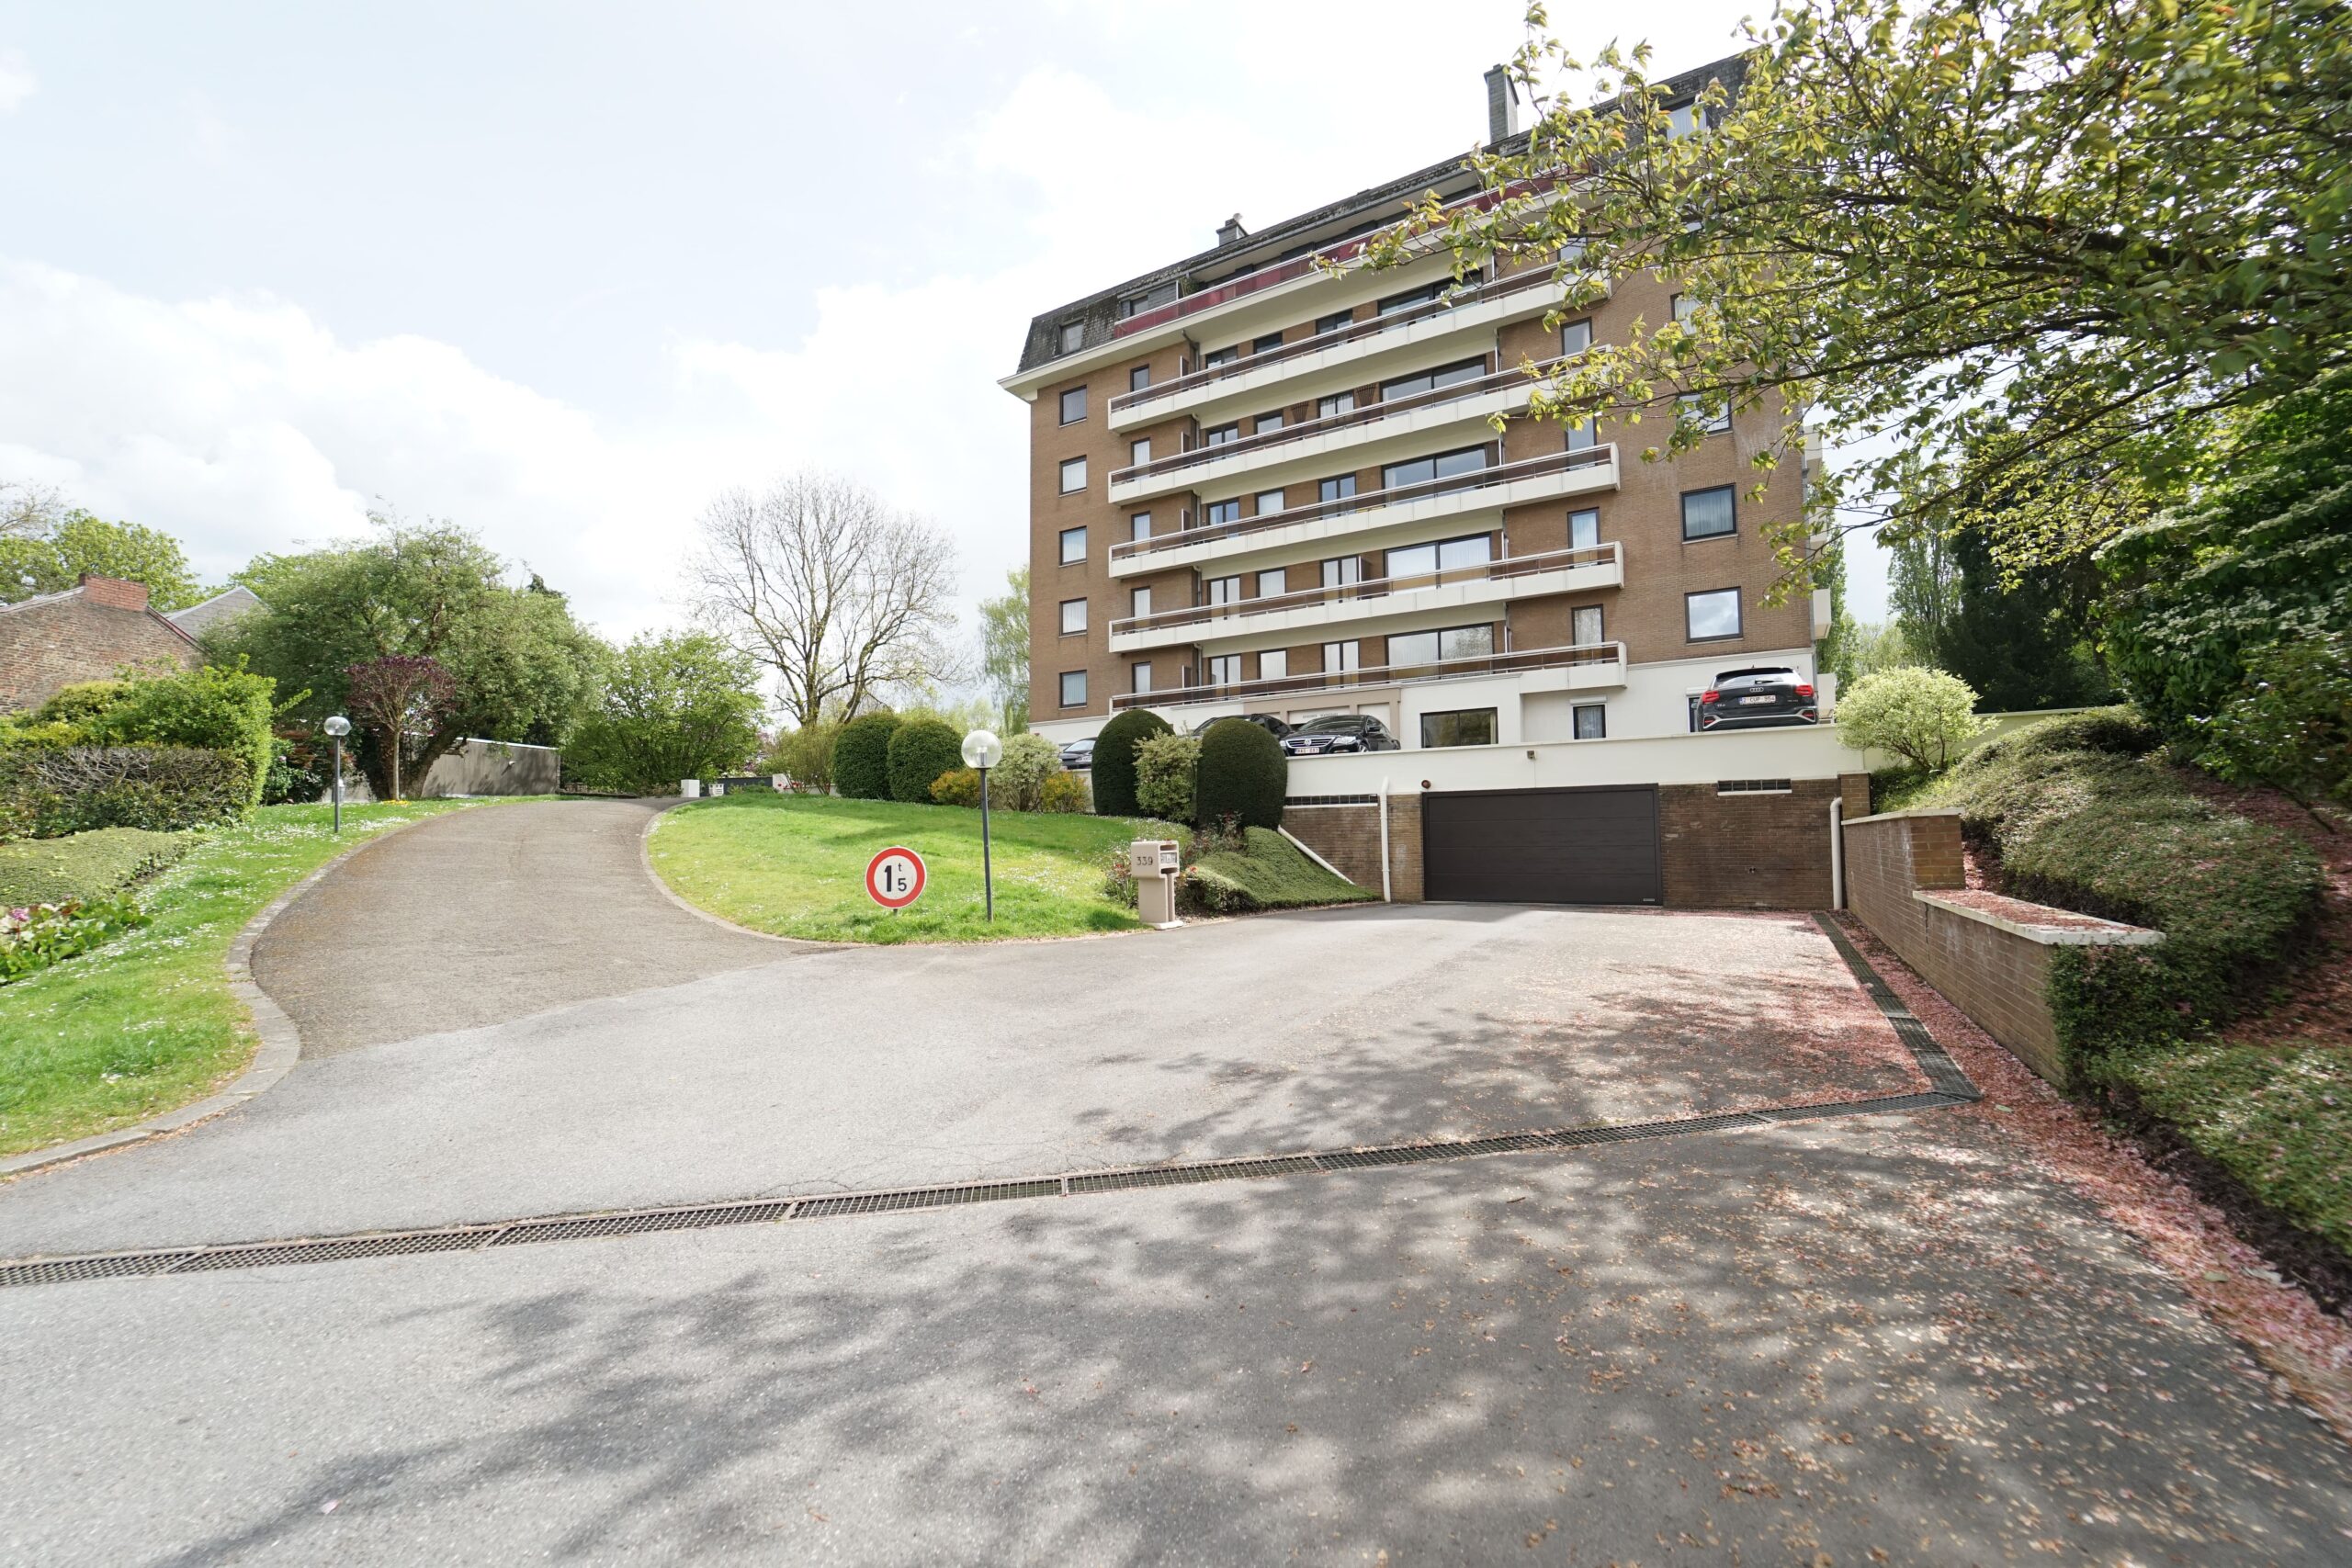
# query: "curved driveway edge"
{"points": [[281, 1043]]}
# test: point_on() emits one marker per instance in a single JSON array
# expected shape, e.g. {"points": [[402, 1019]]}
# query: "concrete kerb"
{"points": [[280, 1047]]}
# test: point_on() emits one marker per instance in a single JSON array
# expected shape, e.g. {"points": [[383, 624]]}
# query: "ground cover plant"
{"points": [[84, 865], [1259, 869], [147, 1022], [795, 865]]}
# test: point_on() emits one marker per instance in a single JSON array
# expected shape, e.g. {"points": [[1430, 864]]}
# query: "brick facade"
{"points": [[1748, 850], [90, 632], [1349, 837]]}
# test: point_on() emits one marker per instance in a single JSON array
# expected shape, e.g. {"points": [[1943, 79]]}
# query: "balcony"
{"points": [[1507, 299], [1507, 484], [1514, 577], [1592, 666], [1462, 403]]}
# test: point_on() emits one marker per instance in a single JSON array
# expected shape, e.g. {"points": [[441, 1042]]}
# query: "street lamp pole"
{"points": [[338, 726], [984, 750]]}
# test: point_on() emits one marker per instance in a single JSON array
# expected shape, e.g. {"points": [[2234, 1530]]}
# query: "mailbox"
{"points": [[1156, 862]]}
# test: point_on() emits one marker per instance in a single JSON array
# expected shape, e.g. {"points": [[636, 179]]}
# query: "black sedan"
{"points": [[1752, 699], [1265, 721], [1339, 732]]}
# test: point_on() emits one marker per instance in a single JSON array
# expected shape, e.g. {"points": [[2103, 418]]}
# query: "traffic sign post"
{"points": [[895, 877]]}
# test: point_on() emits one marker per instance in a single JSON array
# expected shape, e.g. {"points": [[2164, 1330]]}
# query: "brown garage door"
{"points": [[1541, 846]]}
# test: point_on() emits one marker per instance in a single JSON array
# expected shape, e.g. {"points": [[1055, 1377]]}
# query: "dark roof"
{"points": [[1308, 231]]}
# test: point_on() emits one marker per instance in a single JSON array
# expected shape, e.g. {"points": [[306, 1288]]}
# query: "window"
{"points": [[1584, 529], [1223, 670], [1444, 466], [1218, 512], [1139, 452], [1712, 614], [1274, 664], [1430, 380], [1150, 299], [1223, 589], [1708, 513], [1073, 474], [1341, 572], [1333, 322], [1684, 307], [1693, 409], [1270, 583], [1464, 727], [1266, 421], [1453, 642], [1267, 343], [1576, 337], [1338, 488], [1412, 298], [1139, 525], [1073, 405], [1421, 560], [1073, 688], [1073, 336], [1139, 681], [1217, 357], [1222, 434], [1073, 616], [1337, 403], [1269, 500], [1682, 120], [1339, 658], [1139, 378], [1590, 721], [1580, 436], [1139, 603], [1584, 626], [1073, 545]]}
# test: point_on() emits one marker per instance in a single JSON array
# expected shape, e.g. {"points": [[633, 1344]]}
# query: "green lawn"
{"points": [[795, 865], [147, 1023], [83, 865]]}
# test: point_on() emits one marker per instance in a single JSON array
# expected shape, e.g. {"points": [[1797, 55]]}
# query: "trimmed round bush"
{"points": [[1243, 774], [862, 757], [1115, 759], [920, 750]]}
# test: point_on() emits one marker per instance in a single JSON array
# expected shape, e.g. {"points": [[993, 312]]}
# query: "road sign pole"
{"points": [[987, 870]]}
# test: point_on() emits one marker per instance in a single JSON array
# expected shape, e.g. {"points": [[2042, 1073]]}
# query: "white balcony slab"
{"points": [[1221, 633]]}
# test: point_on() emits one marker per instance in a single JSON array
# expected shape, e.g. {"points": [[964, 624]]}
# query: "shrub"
{"points": [[861, 756], [1018, 780], [1243, 774], [672, 708], [1165, 770], [47, 792], [961, 786], [84, 865], [1062, 792], [920, 750], [1115, 759], [216, 709], [805, 755], [1923, 716], [299, 771], [2291, 726]]}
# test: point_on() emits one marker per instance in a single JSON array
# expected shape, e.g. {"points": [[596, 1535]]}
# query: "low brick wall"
{"points": [[1989, 955], [1724, 846], [1348, 835]]}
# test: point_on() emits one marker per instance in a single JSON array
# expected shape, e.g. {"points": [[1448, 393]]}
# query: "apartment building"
{"points": [[1261, 484]]}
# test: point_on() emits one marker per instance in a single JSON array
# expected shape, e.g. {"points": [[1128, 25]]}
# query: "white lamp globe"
{"points": [[338, 726], [982, 749]]}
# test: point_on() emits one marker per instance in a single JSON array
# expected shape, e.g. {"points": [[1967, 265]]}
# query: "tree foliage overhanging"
{"points": [[676, 707]]}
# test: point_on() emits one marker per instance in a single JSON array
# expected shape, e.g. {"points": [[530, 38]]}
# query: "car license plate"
{"points": [[1747, 699]]}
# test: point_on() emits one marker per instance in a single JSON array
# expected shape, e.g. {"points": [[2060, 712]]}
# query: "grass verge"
{"points": [[84, 865], [147, 1023], [795, 865]]}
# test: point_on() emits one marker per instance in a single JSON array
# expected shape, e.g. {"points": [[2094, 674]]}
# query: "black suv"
{"points": [[1339, 732], [1265, 721], [1752, 699]]}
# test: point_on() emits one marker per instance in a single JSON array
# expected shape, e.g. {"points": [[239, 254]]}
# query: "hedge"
{"points": [[48, 792], [1115, 759], [920, 750], [83, 866], [1243, 774], [862, 757], [215, 708]]}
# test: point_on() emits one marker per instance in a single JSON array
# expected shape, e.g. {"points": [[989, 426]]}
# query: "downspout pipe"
{"points": [[1384, 896], [1838, 853]]}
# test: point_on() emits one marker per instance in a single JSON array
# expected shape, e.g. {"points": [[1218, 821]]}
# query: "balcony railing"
{"points": [[1500, 289], [1396, 495], [1383, 593], [1517, 378], [1580, 656]]}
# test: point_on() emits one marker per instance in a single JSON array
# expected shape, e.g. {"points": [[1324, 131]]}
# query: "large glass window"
{"points": [[1444, 555], [1267, 343], [1225, 670], [1073, 616], [1269, 500], [1576, 337], [1444, 466], [1584, 529], [1073, 688], [1580, 435], [1412, 298], [1463, 726], [1073, 474], [1223, 589], [1139, 603], [1710, 615], [1337, 403], [1342, 570], [1708, 513], [1339, 657], [1139, 525], [1694, 410], [1274, 664], [1073, 336], [1221, 434], [1140, 682], [1428, 647], [1429, 380], [1139, 452], [1591, 720], [1073, 546], [1267, 421], [1270, 583], [1216, 357], [1333, 322], [1073, 405], [1139, 378], [1682, 120], [1218, 512], [1338, 488]]}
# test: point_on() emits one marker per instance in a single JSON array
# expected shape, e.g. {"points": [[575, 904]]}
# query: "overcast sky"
{"points": [[562, 271]]}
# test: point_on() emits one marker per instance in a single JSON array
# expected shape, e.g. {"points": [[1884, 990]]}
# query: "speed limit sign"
{"points": [[894, 878]]}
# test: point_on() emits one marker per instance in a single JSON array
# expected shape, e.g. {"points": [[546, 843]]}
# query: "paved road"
{"points": [[1830, 1339]]}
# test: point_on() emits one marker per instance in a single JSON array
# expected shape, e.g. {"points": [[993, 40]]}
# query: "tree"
{"points": [[2037, 243], [1115, 759], [1004, 650], [1923, 716], [44, 550], [396, 696], [525, 670], [2022, 643], [674, 708], [846, 600]]}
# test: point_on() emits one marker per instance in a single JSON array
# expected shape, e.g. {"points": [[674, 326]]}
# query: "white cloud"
{"points": [[17, 82]]}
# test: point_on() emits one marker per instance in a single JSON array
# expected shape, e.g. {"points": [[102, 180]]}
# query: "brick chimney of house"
{"points": [[1502, 106], [113, 592]]}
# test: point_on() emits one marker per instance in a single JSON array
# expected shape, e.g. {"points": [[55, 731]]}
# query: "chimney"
{"points": [[113, 592], [1230, 232], [1502, 106]]}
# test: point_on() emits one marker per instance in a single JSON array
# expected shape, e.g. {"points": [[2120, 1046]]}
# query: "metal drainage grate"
{"points": [[391, 1245], [925, 1198], [1950, 1082], [574, 1227], [1184, 1175], [105, 1266]]}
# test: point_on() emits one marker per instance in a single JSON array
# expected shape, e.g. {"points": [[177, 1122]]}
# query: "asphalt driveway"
{"points": [[1873, 1339]]}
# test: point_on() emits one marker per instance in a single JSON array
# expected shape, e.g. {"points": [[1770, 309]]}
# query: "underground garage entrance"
{"points": [[1543, 846]]}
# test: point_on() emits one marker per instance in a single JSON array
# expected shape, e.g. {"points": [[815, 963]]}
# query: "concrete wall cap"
{"points": [[1897, 816]]}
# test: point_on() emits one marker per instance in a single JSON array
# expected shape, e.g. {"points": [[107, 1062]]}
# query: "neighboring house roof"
{"points": [[197, 619]]}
